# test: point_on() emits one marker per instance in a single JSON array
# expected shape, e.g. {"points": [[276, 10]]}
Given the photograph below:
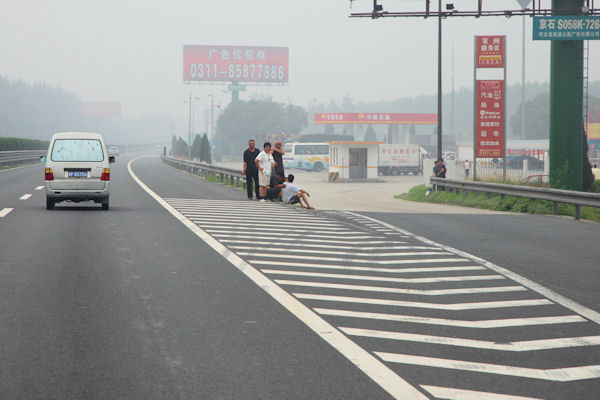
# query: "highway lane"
{"points": [[142, 308], [128, 304]]}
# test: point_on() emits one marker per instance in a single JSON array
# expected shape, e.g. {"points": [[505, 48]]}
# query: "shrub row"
{"points": [[11, 144]]}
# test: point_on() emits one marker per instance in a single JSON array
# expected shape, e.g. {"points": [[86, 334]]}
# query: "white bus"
{"points": [[308, 156]]}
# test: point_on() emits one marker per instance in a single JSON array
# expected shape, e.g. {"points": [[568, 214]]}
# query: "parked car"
{"points": [[76, 169], [540, 180]]}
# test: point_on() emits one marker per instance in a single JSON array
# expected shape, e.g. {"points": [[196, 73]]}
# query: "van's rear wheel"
{"points": [[105, 204], [49, 203]]}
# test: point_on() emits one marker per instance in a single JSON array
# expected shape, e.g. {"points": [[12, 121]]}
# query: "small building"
{"points": [[353, 160]]}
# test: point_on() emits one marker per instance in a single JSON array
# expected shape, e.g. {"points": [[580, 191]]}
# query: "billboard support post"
{"points": [[475, 110], [439, 116], [566, 108]]}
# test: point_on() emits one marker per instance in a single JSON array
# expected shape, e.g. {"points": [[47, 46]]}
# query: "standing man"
{"points": [[278, 157], [467, 166], [264, 162], [249, 169]]}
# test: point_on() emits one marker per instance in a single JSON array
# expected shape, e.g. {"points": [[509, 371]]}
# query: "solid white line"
{"points": [[544, 291], [294, 235], [557, 375], [350, 254], [24, 166], [372, 269], [483, 324], [39, 187], [528, 345], [373, 368], [386, 262], [25, 196], [433, 306], [5, 212], [440, 392], [432, 292], [277, 224], [295, 238], [326, 246], [385, 279]]}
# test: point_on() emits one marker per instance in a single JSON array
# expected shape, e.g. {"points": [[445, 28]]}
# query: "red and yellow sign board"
{"points": [[375, 118], [489, 51], [489, 119]]}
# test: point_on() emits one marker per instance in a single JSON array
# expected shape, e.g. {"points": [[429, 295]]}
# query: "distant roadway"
{"points": [[185, 290]]}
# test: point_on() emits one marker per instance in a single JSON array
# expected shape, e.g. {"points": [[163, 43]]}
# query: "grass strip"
{"points": [[496, 202]]}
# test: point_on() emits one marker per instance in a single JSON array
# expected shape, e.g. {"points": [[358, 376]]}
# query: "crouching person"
{"points": [[292, 194], [275, 187]]}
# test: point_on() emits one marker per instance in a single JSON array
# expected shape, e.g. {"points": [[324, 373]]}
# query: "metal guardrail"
{"points": [[12, 158], [556, 196], [226, 175]]}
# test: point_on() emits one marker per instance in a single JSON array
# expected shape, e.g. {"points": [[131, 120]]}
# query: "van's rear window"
{"points": [[77, 150]]}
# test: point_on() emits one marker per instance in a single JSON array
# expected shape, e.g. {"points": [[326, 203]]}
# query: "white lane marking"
{"points": [[357, 254], [25, 196], [39, 187], [293, 238], [461, 394], [434, 306], [275, 224], [433, 279], [432, 292], [386, 262], [24, 166], [324, 246], [303, 236], [5, 212], [482, 324], [557, 375], [544, 291], [268, 229], [372, 269], [372, 367], [251, 216], [527, 345]]}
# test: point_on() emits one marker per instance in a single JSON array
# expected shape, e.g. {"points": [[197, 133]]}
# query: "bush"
{"points": [[12, 144]]}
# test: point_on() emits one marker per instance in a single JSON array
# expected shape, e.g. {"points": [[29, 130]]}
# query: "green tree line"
{"points": [[11, 143]]}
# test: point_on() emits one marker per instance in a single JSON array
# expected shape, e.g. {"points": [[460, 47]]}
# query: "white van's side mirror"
{"points": [[43, 159], [111, 159]]}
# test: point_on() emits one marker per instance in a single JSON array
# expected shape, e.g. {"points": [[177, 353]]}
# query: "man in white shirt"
{"points": [[293, 194], [467, 166], [264, 162]]}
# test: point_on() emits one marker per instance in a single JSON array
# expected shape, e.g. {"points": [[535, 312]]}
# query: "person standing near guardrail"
{"points": [[250, 170], [278, 157], [264, 162], [467, 166]]}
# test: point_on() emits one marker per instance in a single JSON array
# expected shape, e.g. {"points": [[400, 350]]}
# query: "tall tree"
{"points": [[196, 150], [370, 135], [205, 150]]}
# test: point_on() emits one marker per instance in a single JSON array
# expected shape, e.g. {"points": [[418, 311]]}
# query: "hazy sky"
{"points": [[131, 50]]}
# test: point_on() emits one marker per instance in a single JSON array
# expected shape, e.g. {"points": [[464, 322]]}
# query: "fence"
{"points": [[225, 175], [520, 163], [556, 196], [20, 157]]}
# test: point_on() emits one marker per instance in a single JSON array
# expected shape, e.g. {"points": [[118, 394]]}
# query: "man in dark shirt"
{"points": [[249, 168], [278, 157], [275, 186]]}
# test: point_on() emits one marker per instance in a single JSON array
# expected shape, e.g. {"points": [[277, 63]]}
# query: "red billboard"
{"points": [[374, 118], [489, 130], [235, 64], [489, 51]]}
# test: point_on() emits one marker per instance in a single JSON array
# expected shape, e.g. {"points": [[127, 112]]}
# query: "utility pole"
{"points": [[190, 127], [523, 4], [439, 112]]}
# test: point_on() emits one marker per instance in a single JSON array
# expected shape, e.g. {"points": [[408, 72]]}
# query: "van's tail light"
{"points": [[49, 175], [105, 174]]}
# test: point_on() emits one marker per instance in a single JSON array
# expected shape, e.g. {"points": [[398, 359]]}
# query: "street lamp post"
{"points": [[523, 4], [439, 116]]}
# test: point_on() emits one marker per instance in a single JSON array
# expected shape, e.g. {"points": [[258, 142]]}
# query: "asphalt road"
{"points": [[131, 304]]}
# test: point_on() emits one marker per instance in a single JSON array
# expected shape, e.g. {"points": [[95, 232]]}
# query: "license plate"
{"points": [[77, 174]]}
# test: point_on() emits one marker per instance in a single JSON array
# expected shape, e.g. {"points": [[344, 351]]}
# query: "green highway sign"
{"points": [[237, 88], [566, 27]]}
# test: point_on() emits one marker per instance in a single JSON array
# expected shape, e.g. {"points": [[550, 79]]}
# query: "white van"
{"points": [[77, 169]]}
